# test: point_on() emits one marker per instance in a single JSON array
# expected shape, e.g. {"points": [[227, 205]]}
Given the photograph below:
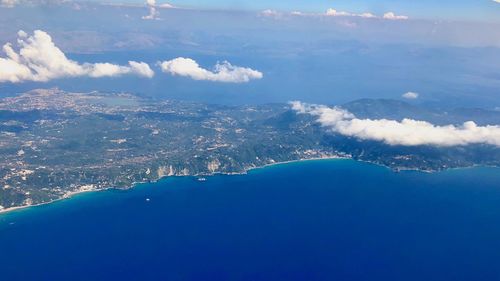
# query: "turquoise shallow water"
{"points": [[314, 220]]}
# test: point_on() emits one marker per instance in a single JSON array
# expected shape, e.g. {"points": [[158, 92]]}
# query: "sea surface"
{"points": [[311, 220]]}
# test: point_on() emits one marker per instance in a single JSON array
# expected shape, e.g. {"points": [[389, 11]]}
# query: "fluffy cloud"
{"points": [[222, 72], [392, 16], [335, 13], [108, 69], [407, 132], [410, 95], [153, 13], [367, 15], [39, 59]]}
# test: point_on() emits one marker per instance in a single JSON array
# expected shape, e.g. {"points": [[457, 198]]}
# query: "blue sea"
{"points": [[312, 220]]}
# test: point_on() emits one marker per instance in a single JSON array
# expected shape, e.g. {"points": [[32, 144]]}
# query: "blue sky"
{"points": [[318, 59], [482, 10]]}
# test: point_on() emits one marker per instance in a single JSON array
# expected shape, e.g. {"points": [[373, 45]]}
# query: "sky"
{"points": [[480, 10], [241, 52]]}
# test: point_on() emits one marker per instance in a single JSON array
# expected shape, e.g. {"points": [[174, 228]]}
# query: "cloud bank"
{"points": [[407, 132], [222, 72], [387, 16], [39, 59], [335, 13]]}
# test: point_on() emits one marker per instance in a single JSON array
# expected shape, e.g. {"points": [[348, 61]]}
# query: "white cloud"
{"points": [[389, 15], [332, 13], [108, 69], [367, 15], [153, 13], [392, 16], [39, 59], [407, 132], [335, 13], [410, 95], [222, 72], [270, 13]]}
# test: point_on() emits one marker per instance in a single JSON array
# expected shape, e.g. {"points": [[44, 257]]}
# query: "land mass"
{"points": [[54, 144]]}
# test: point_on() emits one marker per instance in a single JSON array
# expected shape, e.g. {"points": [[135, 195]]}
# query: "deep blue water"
{"points": [[318, 220]]}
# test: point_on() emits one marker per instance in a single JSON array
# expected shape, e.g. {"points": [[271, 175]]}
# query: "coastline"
{"points": [[71, 194], [277, 164]]}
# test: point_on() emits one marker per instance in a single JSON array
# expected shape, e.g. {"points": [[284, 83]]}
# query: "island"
{"points": [[54, 143]]}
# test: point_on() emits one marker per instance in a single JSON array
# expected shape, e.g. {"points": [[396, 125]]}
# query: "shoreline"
{"points": [[71, 194]]}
